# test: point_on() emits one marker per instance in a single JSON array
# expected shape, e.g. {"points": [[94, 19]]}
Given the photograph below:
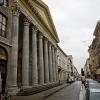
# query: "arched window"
{"points": [[3, 55]]}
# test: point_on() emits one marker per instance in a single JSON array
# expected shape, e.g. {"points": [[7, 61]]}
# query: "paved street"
{"points": [[71, 92]]}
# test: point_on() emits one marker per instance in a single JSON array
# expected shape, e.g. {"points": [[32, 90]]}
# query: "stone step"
{"points": [[42, 95], [36, 89]]}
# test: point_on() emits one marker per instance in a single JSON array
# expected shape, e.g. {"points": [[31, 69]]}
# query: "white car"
{"points": [[94, 94]]}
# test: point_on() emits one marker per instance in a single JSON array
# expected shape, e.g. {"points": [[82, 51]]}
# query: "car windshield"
{"points": [[95, 96]]}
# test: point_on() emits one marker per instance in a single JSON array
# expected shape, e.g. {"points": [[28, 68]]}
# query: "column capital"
{"points": [[16, 10], [40, 36], [34, 29], [52, 46], [45, 39], [26, 21]]}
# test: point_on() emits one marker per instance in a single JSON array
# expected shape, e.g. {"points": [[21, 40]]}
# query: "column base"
{"points": [[25, 87], [13, 90]]}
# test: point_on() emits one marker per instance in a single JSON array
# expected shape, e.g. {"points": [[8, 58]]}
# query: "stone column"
{"points": [[53, 64], [50, 64], [34, 56], [46, 65], [56, 65], [25, 55], [12, 70], [41, 64]]}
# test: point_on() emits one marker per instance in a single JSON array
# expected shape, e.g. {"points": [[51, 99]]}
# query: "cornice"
{"points": [[39, 2], [29, 13]]}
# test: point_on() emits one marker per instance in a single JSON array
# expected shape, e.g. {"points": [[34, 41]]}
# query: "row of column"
{"points": [[46, 57]]}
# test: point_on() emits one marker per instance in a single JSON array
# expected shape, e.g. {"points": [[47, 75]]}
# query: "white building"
{"points": [[64, 64]]}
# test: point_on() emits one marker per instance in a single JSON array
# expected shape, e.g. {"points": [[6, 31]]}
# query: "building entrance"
{"points": [[3, 68]]}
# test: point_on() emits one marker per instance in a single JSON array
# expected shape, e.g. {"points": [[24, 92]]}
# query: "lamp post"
{"points": [[1, 2]]}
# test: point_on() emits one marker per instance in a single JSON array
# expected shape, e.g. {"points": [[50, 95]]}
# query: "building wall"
{"points": [[94, 51], [31, 45], [64, 64]]}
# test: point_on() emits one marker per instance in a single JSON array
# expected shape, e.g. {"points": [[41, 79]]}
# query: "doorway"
{"points": [[3, 67]]}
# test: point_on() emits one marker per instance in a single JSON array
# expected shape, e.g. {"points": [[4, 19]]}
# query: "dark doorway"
{"points": [[3, 67]]}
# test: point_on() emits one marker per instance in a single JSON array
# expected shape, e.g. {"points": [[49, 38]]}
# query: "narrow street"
{"points": [[49, 50], [71, 92]]}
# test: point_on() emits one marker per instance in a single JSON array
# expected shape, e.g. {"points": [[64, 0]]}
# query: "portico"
{"points": [[33, 58]]}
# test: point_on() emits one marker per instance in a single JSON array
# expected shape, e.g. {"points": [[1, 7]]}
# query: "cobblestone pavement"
{"points": [[71, 92]]}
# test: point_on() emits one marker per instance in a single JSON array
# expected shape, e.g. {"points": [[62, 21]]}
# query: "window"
{"points": [[3, 25]]}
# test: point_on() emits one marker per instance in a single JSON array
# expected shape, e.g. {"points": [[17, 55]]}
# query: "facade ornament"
{"points": [[34, 29], [26, 21], [15, 10], [46, 40], [40, 35]]}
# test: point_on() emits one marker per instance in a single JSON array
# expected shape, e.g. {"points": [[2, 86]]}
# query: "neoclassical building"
{"points": [[64, 64], [28, 45]]}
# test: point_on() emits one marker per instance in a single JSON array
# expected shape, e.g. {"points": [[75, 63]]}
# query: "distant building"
{"points": [[75, 72], [94, 52], [87, 68], [65, 65]]}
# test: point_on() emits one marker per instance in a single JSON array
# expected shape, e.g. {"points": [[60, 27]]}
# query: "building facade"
{"points": [[75, 72], [28, 45], [87, 66], [94, 52], [65, 64]]}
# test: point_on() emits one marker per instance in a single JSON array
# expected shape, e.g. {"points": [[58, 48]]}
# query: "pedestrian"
{"points": [[83, 81]]}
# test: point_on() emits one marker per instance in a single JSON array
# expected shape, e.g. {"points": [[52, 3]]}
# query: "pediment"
{"points": [[45, 15]]}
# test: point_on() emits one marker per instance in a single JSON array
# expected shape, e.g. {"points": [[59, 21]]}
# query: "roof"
{"points": [[95, 90], [45, 15]]}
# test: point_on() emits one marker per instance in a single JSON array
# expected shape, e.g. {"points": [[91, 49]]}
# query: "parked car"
{"points": [[89, 81], [71, 79], [92, 90], [94, 94]]}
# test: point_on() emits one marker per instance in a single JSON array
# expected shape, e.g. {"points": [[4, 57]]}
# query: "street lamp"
{"points": [[1, 2]]}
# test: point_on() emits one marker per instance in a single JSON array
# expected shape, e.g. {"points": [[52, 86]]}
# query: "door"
{"points": [[3, 67]]}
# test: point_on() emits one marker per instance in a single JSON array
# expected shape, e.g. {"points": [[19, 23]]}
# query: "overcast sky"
{"points": [[75, 21]]}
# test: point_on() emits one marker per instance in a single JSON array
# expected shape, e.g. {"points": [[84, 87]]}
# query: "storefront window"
{"points": [[3, 25]]}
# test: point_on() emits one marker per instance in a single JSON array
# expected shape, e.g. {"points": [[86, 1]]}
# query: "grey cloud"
{"points": [[75, 21]]}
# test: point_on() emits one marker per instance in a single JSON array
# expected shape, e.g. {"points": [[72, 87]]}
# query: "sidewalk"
{"points": [[41, 95], [82, 93]]}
